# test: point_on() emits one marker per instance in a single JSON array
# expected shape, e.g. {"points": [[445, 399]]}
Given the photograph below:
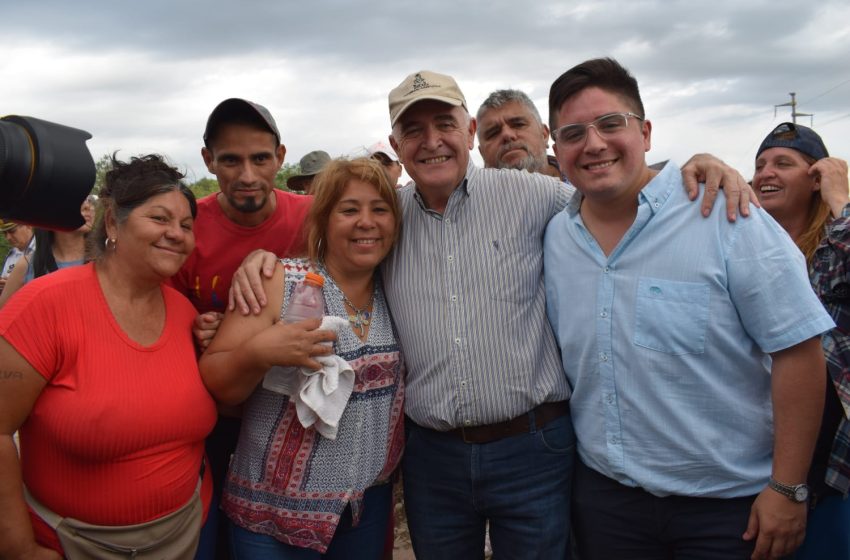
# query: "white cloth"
{"points": [[320, 396]]}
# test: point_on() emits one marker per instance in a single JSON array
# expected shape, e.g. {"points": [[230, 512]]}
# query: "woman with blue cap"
{"points": [[807, 192]]}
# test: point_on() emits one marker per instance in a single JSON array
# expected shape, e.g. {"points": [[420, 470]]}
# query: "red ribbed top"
{"points": [[117, 435]]}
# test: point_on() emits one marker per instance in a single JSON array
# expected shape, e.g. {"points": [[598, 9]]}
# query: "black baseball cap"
{"points": [[239, 110]]}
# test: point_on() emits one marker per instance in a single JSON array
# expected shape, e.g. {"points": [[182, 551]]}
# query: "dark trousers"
{"points": [[613, 521], [521, 484]]}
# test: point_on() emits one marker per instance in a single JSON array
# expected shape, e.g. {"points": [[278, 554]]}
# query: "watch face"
{"points": [[801, 494]]}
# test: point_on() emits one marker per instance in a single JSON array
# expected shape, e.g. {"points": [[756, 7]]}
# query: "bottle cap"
{"points": [[315, 279]]}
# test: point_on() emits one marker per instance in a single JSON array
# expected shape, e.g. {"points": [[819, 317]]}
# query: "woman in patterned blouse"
{"points": [[290, 491]]}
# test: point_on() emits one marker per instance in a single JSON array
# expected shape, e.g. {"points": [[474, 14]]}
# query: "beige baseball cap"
{"points": [[424, 85]]}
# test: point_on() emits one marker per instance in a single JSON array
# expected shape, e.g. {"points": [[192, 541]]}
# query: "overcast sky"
{"points": [[143, 77]]}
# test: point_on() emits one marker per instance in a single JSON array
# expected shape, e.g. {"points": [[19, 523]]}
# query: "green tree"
{"points": [[203, 187], [101, 166], [287, 171]]}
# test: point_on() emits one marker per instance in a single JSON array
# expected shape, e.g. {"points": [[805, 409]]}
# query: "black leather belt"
{"points": [[543, 414]]}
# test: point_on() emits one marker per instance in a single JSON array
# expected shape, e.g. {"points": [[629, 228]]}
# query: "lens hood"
{"points": [[46, 171]]}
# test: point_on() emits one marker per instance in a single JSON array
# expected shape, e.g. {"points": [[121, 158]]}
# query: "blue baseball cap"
{"points": [[797, 137]]}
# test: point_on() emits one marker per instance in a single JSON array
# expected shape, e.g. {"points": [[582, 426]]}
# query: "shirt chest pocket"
{"points": [[670, 316], [509, 267]]}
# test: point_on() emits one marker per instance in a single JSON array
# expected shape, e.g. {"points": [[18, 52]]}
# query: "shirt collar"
{"points": [[465, 187], [655, 192], [659, 188]]}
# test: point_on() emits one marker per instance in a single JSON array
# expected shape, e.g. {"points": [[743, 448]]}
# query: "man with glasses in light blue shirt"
{"points": [[691, 346]]}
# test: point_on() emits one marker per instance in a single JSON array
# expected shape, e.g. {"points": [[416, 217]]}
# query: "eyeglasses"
{"points": [[606, 125]]}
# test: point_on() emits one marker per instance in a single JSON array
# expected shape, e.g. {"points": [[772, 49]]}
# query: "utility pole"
{"points": [[794, 113]]}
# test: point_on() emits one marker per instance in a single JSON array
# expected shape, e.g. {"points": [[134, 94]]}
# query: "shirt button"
{"points": [[609, 399], [467, 422], [457, 341], [448, 220], [454, 298], [603, 314], [603, 356], [607, 269], [463, 383], [451, 258]]}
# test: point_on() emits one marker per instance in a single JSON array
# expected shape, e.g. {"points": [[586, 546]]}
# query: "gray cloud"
{"points": [[144, 77]]}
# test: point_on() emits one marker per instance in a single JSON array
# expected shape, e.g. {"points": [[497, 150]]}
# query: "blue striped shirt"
{"points": [[466, 293]]}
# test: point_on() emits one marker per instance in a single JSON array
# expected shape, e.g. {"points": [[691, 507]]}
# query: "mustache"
{"points": [[513, 146]]}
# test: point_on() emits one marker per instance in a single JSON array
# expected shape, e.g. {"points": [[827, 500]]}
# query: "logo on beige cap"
{"points": [[419, 83]]}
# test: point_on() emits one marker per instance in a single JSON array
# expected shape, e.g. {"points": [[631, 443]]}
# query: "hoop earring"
{"points": [[110, 244]]}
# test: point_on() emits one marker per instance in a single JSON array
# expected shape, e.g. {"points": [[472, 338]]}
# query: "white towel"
{"points": [[320, 396]]}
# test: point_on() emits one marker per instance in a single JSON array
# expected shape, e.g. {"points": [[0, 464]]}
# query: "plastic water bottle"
{"points": [[306, 302]]}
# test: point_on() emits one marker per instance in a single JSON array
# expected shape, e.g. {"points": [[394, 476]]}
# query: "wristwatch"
{"points": [[798, 493]]}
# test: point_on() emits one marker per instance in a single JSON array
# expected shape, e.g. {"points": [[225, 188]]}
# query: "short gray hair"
{"points": [[502, 96]]}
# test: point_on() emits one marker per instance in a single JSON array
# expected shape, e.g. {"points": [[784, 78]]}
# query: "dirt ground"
{"points": [[401, 549]]}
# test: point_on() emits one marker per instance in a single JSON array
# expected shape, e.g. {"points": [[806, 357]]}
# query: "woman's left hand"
{"points": [[831, 176]]}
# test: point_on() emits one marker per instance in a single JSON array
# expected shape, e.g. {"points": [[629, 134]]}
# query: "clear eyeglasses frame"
{"points": [[606, 125]]}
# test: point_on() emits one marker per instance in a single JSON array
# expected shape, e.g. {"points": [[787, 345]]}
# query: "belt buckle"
{"points": [[463, 435]]}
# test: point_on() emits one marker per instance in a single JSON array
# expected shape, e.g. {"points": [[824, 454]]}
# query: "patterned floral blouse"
{"points": [[290, 482]]}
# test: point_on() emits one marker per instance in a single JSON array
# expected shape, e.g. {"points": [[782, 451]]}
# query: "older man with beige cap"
{"points": [[489, 432]]}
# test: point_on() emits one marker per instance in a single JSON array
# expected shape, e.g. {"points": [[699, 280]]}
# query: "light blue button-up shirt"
{"points": [[665, 341]]}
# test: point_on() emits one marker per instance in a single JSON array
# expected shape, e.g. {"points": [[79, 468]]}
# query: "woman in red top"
{"points": [[98, 373]]}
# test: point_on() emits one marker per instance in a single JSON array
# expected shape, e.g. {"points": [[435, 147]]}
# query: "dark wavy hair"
{"points": [[130, 184]]}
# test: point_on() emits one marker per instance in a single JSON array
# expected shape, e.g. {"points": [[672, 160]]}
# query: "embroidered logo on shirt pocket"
{"points": [[512, 268], [671, 316]]}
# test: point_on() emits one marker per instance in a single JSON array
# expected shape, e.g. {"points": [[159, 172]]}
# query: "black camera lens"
{"points": [[46, 171]]}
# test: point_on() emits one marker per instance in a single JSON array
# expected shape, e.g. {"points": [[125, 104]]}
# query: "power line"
{"points": [[829, 90], [835, 119]]}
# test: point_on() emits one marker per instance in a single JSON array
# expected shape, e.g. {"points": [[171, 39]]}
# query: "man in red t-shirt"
{"points": [[242, 148]]}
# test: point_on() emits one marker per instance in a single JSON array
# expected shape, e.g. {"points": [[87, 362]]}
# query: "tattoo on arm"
{"points": [[6, 375]]}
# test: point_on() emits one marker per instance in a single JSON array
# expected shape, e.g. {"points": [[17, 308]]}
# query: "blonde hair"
{"points": [[328, 187], [818, 216]]}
